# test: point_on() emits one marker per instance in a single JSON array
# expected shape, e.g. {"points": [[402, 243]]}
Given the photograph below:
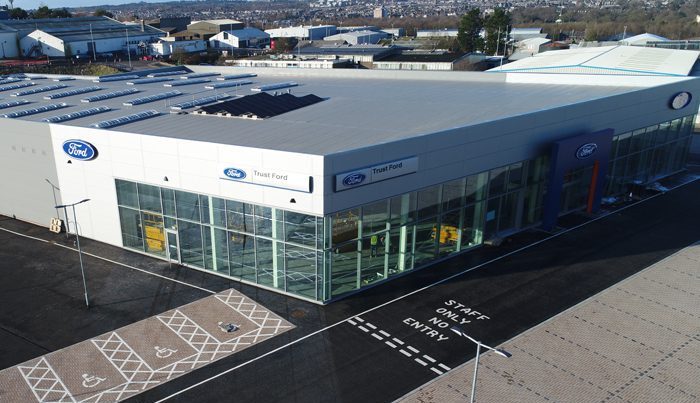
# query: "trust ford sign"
{"points": [[80, 150], [235, 173], [375, 173], [586, 150], [354, 179]]}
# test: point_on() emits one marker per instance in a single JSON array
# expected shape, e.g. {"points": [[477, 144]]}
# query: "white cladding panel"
{"points": [[188, 165]]}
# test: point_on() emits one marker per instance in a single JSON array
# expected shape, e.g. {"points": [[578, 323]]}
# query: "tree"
{"points": [[42, 12], [497, 27], [469, 28], [101, 12], [18, 14]]}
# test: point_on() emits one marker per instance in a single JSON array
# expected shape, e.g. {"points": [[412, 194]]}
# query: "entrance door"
{"points": [[173, 246]]}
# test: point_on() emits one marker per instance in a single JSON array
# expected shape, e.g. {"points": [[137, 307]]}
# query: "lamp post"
{"points": [[3, 49], [54, 188], [80, 252], [502, 353]]}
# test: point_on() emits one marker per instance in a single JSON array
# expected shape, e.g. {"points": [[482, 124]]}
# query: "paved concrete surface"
{"points": [[125, 362], [636, 342], [326, 357]]}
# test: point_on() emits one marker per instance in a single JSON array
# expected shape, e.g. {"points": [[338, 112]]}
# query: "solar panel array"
{"points": [[152, 98], [74, 91], [199, 75], [199, 101], [149, 80], [275, 86], [178, 83], [64, 79], [236, 76], [76, 115], [115, 78], [126, 119], [39, 109], [259, 106], [167, 73], [16, 86], [227, 84], [38, 89], [10, 104], [9, 80], [108, 95]]}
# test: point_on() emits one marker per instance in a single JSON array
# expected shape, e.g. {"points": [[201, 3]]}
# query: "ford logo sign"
{"points": [[586, 150], [235, 173], [354, 179], [80, 150]]}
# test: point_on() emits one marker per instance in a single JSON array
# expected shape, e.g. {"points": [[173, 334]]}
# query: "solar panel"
{"points": [[228, 84], [30, 78], [39, 109], [199, 101], [167, 73], [126, 119], [259, 106], [75, 91], [16, 86], [76, 115], [152, 98], [178, 83], [199, 75], [64, 79], [275, 86], [149, 80], [38, 89], [108, 95], [115, 78], [10, 80], [236, 76], [10, 104]]}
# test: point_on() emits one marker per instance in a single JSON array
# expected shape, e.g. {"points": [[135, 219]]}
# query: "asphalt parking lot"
{"points": [[343, 351]]}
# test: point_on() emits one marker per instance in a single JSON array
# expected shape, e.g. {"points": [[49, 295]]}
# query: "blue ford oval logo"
{"points": [[354, 179], [235, 173], [80, 150], [586, 150]]}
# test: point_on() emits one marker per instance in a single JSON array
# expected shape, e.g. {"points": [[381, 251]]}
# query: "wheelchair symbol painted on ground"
{"points": [[164, 352], [90, 381]]}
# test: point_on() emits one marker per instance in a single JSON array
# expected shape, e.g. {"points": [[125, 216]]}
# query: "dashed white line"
{"points": [[364, 329], [351, 322], [371, 325], [359, 319], [376, 336], [383, 333], [390, 344], [429, 358], [443, 366], [398, 341], [437, 371], [412, 349], [421, 362], [404, 352]]}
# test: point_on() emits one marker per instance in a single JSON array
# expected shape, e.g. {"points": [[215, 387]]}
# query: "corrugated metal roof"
{"points": [[613, 60]]}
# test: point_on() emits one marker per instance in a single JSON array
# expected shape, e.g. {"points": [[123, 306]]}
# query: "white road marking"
{"points": [[558, 234], [359, 319], [376, 336], [351, 322], [404, 352], [383, 333], [443, 366], [364, 329], [437, 371], [371, 325], [390, 344], [412, 349], [398, 341], [429, 358], [421, 362]]}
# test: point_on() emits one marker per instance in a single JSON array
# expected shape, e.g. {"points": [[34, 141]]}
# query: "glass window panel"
{"points": [[674, 129], [491, 218], [170, 223], [130, 221], [687, 128], [268, 273], [239, 216], [345, 225], [301, 228], [301, 270], [344, 276], [532, 205], [613, 150], [190, 237], [453, 194], [216, 250], [126, 193], [497, 181], [427, 202], [263, 221], [637, 142], [476, 187], [623, 144], [154, 233], [374, 217], [373, 250], [168, 197], [241, 255], [509, 209], [448, 237], [402, 209], [187, 205], [661, 133], [515, 176], [204, 206], [218, 211], [425, 243], [149, 198]]}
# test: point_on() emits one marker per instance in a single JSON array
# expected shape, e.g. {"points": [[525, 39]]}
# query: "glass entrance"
{"points": [[574, 192], [173, 246]]}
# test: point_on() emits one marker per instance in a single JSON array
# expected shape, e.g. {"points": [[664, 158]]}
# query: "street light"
{"points": [[54, 188], [502, 353], [80, 252]]}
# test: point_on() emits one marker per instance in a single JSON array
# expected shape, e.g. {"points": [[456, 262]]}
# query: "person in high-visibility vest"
{"points": [[373, 241]]}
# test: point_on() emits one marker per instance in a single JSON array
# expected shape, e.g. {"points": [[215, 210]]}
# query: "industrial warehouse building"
{"points": [[319, 183]]}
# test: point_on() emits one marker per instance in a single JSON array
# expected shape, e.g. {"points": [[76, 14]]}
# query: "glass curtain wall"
{"points": [[272, 247], [382, 239], [647, 154]]}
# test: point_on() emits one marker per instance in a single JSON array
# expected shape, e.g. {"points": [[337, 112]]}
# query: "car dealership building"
{"points": [[319, 183]]}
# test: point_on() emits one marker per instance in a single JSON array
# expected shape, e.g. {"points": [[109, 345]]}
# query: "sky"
{"points": [[34, 4]]}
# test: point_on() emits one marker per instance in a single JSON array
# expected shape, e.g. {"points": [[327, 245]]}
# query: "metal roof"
{"points": [[608, 60], [361, 107]]}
